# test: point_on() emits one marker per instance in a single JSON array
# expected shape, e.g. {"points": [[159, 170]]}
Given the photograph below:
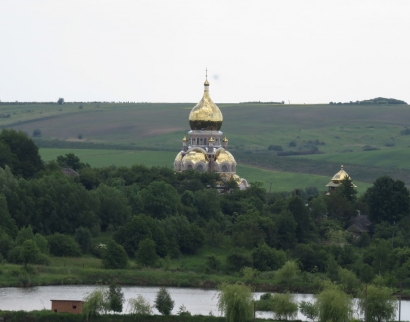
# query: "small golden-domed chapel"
{"points": [[205, 148], [336, 180]]}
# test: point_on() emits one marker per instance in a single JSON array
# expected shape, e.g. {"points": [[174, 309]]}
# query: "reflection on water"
{"points": [[196, 301]]}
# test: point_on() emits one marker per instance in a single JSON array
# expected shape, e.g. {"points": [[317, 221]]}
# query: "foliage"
{"points": [[163, 302], [139, 306], [287, 273], [20, 153], [380, 304], [94, 304], [334, 304], [284, 306], [30, 253], [146, 254], [70, 160], [114, 297], [83, 237], [36, 133], [182, 311], [348, 280], [236, 259], [268, 259], [63, 245], [235, 301], [309, 309], [160, 200], [114, 256], [388, 200]]}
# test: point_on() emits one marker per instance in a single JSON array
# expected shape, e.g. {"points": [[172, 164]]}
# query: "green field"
{"points": [[248, 126], [281, 181], [389, 158]]}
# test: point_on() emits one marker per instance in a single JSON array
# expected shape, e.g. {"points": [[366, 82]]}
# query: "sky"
{"points": [[297, 51]]}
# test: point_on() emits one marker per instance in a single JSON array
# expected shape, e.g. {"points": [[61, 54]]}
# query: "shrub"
{"points": [[36, 133], [114, 257], [275, 148], [139, 306], [284, 306], [63, 245]]}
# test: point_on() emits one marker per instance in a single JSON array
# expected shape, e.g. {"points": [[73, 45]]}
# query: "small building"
{"points": [[336, 181], [360, 225], [68, 306], [70, 172]]}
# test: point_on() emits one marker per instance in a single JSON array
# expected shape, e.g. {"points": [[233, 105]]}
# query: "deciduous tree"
{"points": [[379, 303], [163, 302], [235, 301]]}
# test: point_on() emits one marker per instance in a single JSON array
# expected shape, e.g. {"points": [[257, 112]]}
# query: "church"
{"points": [[205, 149]]}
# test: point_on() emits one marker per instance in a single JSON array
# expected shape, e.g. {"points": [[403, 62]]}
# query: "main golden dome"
{"points": [[205, 115]]}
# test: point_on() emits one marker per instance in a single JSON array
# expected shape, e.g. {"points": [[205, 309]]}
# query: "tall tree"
{"points": [[163, 302], [23, 157], [387, 200], [114, 298], [114, 257]]}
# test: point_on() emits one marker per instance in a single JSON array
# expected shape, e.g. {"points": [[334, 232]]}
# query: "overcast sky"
{"points": [[157, 51]]}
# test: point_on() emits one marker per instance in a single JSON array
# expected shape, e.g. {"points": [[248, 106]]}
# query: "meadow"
{"points": [[338, 128], [275, 181]]}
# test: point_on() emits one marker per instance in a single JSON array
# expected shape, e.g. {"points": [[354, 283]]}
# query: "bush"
{"points": [[284, 306], [36, 133], [238, 259], [63, 245], [114, 257], [139, 306], [275, 148]]}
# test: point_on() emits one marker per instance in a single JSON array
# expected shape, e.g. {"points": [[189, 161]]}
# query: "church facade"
{"points": [[205, 148]]}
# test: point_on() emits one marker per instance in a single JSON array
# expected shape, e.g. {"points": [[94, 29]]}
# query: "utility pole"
{"points": [[400, 302], [365, 312]]}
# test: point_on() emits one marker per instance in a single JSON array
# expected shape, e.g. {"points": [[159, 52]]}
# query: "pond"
{"points": [[197, 301]]}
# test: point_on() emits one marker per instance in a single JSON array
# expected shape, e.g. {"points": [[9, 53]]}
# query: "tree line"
{"points": [[156, 215]]}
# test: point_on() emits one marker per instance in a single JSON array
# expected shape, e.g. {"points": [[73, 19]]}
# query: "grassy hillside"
{"points": [[281, 181], [248, 126]]}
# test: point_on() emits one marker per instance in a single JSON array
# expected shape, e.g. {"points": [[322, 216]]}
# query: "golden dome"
{"points": [[206, 115], [195, 155], [225, 139], [184, 139], [342, 174], [222, 155], [178, 157], [211, 139]]}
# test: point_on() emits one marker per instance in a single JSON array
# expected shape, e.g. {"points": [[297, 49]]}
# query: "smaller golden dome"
{"points": [[184, 139], [342, 174], [225, 139], [211, 139], [206, 82], [195, 155], [178, 158], [222, 155]]}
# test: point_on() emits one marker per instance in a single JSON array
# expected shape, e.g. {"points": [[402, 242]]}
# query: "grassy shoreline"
{"points": [[17, 276]]}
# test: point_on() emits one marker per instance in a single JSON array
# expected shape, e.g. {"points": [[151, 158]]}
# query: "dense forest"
{"points": [[156, 213]]}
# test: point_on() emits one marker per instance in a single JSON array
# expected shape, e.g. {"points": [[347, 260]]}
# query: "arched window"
{"points": [[224, 168], [189, 167], [200, 167], [197, 141], [205, 141]]}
